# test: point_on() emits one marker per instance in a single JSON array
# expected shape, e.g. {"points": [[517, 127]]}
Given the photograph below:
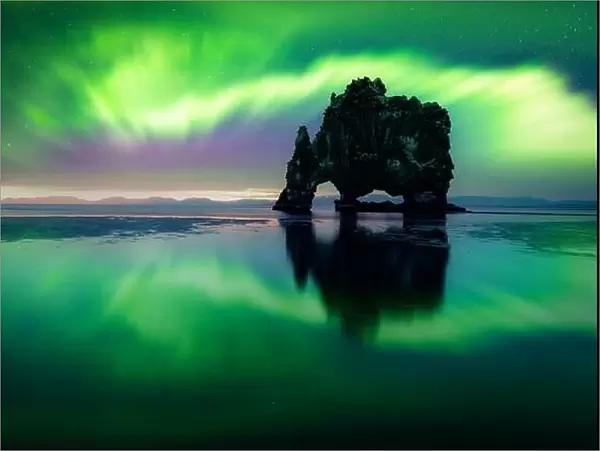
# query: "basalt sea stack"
{"points": [[368, 141]]}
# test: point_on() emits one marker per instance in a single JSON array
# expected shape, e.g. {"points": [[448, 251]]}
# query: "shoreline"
{"points": [[277, 215]]}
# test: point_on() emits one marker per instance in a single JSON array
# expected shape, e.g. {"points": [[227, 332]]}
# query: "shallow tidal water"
{"points": [[278, 332]]}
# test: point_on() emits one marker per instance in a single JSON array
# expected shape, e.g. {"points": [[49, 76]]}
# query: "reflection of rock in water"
{"points": [[363, 275]]}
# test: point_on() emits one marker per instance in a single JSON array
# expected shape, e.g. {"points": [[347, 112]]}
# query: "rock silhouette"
{"points": [[363, 275], [368, 141]]}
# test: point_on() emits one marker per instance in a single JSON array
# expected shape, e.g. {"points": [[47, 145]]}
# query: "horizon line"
{"points": [[76, 200]]}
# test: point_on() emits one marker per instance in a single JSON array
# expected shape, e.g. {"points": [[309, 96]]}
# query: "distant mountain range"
{"points": [[118, 201], [320, 201]]}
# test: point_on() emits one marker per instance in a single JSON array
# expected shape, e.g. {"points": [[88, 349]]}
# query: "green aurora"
{"points": [[98, 94]]}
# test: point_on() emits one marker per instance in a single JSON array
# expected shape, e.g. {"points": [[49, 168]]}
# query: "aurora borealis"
{"points": [[188, 98]]}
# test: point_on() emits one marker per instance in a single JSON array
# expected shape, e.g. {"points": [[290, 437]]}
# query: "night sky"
{"points": [[204, 99]]}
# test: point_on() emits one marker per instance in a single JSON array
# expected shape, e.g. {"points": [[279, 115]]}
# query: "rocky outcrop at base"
{"points": [[391, 207]]}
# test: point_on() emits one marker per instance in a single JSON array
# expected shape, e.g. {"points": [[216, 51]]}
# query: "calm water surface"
{"points": [[279, 332]]}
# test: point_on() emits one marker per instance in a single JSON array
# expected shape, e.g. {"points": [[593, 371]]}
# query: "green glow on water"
{"points": [[212, 325]]}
